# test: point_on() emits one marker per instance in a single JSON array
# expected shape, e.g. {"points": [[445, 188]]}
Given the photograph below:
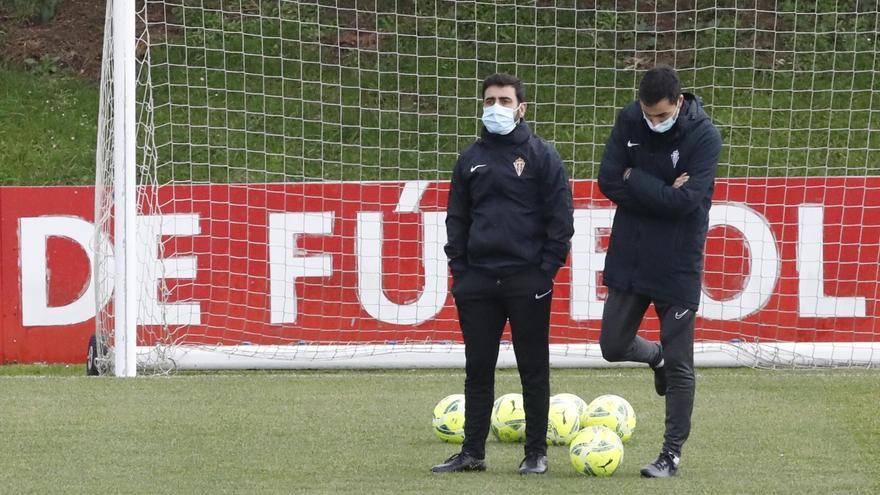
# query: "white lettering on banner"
{"points": [[812, 301], [287, 263], [154, 269], [587, 262], [411, 195], [34, 233], [369, 259], [763, 260]]}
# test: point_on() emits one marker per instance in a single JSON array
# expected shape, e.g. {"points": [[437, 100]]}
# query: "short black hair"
{"points": [[658, 83], [501, 79]]}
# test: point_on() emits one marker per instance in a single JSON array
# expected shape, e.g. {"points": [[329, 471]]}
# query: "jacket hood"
{"points": [[693, 111]]}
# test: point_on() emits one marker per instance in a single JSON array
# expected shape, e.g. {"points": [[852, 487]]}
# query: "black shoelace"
{"points": [[664, 461]]}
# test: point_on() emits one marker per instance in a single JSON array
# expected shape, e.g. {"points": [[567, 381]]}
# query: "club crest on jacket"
{"points": [[674, 157], [519, 164]]}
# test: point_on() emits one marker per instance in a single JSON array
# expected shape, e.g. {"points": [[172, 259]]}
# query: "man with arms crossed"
{"points": [[509, 224], [659, 168]]}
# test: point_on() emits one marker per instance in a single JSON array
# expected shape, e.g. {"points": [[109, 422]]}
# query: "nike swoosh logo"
{"points": [[679, 316], [630, 144], [476, 167], [541, 296]]}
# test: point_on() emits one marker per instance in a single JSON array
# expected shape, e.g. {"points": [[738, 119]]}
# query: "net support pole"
{"points": [[124, 188]]}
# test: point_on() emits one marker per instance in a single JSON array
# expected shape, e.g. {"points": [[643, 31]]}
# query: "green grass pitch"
{"points": [[370, 432]]}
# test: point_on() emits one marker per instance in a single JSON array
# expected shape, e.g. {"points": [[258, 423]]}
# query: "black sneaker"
{"points": [[660, 375], [460, 463], [665, 466], [533, 464]]}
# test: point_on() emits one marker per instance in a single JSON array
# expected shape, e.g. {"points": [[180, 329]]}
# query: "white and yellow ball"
{"points": [[509, 418], [563, 422], [614, 412], [596, 451], [580, 403], [449, 419]]}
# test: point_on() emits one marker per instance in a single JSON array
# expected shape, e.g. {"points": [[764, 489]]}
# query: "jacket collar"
{"points": [[519, 135]]}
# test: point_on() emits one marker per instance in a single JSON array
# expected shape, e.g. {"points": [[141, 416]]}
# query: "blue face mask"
{"points": [[499, 119], [662, 126]]}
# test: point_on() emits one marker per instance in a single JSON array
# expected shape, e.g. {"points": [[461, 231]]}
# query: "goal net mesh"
{"points": [[293, 160]]}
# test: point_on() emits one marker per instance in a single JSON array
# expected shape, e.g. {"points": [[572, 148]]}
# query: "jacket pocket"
{"points": [[544, 279]]}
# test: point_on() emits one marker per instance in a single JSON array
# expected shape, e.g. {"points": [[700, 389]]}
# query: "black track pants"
{"points": [[484, 305], [620, 322]]}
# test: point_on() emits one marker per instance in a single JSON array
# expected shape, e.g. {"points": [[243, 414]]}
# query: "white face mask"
{"points": [[662, 126], [499, 119]]}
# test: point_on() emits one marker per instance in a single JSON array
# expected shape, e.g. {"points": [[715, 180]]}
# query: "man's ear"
{"points": [[522, 114]]}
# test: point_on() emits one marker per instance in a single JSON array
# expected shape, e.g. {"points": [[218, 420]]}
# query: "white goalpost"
{"points": [[271, 175], [116, 188]]}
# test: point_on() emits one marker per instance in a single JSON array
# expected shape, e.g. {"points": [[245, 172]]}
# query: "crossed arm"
{"points": [[638, 191]]}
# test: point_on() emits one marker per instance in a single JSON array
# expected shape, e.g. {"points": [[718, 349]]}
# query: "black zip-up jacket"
{"points": [[499, 221], [659, 232]]}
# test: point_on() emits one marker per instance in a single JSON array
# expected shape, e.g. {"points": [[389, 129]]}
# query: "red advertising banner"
{"points": [[787, 259]]}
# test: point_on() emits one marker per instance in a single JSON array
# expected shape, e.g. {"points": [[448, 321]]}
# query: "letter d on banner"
{"points": [[33, 236]]}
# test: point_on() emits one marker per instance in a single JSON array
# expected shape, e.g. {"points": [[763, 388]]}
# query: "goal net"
{"points": [[272, 175]]}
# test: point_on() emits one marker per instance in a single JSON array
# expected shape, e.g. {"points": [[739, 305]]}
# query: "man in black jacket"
{"points": [[509, 224], [659, 168]]}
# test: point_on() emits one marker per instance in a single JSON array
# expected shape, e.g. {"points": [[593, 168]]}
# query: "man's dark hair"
{"points": [[501, 79], [659, 83]]}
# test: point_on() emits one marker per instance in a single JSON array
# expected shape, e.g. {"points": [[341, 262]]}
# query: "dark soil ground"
{"points": [[71, 41]]}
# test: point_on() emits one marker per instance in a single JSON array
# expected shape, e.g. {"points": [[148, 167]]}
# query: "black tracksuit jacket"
{"points": [[499, 222], [659, 232]]}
